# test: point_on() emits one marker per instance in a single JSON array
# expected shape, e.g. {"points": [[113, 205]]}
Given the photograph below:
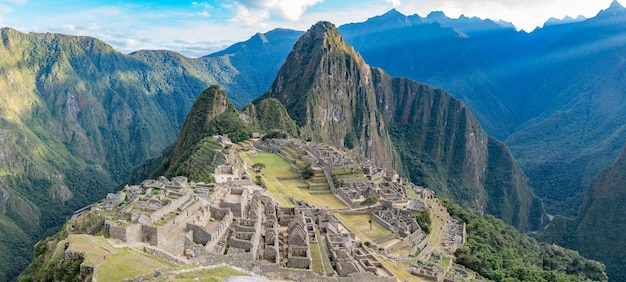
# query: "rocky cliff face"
{"points": [[426, 134], [327, 89]]}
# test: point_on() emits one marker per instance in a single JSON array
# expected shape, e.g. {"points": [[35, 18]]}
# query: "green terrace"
{"points": [[282, 182]]}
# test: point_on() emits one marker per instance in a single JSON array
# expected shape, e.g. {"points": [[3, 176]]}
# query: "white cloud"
{"points": [[204, 5], [250, 16], [395, 3], [256, 11]]}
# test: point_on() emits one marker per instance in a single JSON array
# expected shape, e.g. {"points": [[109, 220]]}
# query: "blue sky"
{"points": [[196, 28]]}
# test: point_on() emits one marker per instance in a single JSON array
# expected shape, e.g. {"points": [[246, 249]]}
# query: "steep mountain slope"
{"points": [[598, 231], [257, 60], [444, 57], [336, 98], [194, 153], [326, 89], [578, 98], [552, 95], [76, 116]]}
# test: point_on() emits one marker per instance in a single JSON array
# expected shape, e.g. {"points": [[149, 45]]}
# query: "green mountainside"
{"points": [[194, 154], [499, 252], [580, 126], [76, 116], [325, 86], [424, 133], [598, 230]]}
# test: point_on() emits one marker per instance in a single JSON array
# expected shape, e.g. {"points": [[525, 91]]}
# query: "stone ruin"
{"points": [[236, 222]]}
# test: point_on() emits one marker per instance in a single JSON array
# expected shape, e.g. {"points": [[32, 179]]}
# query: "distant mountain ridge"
{"points": [[519, 85]]}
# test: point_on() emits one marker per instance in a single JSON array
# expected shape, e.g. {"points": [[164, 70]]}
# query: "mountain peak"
{"points": [[615, 5], [322, 34], [436, 16], [393, 13], [614, 10], [261, 37], [323, 27], [211, 103]]}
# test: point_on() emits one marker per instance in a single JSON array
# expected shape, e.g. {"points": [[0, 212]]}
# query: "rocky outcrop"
{"points": [[327, 89]]}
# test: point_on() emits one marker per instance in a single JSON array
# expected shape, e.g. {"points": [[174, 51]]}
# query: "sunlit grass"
{"points": [[114, 264], [277, 176], [359, 224], [208, 275]]}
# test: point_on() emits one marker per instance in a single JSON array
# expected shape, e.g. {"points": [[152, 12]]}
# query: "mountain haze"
{"points": [[578, 98], [563, 79]]}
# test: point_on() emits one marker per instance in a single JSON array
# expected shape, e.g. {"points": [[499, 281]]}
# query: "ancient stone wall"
{"points": [[133, 233], [170, 241], [184, 215], [150, 235], [300, 262], [116, 232], [173, 205], [200, 235], [382, 221], [163, 255]]}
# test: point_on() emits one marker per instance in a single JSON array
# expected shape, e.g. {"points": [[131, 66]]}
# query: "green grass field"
{"points": [[114, 264], [325, 260], [276, 166], [316, 264], [359, 224], [206, 275]]}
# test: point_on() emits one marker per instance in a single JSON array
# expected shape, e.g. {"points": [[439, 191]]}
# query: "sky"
{"points": [[197, 28]]}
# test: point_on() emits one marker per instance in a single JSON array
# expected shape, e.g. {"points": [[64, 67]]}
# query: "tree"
{"points": [[423, 220], [258, 167], [275, 134], [259, 181], [369, 201], [307, 172]]}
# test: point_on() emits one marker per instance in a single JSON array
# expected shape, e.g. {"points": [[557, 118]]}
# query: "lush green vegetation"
{"points": [[230, 123], [598, 230], [499, 252], [276, 134], [80, 115], [216, 274], [306, 172], [270, 116], [424, 221], [258, 167], [371, 200]]}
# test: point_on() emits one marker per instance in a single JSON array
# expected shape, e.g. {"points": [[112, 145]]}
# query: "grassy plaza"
{"points": [[283, 183]]}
